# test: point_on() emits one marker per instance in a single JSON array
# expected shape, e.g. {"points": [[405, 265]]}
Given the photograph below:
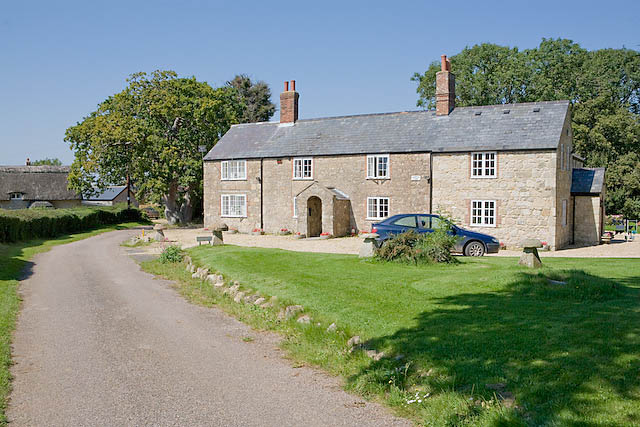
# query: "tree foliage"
{"points": [[152, 130], [256, 98], [47, 162], [602, 85]]}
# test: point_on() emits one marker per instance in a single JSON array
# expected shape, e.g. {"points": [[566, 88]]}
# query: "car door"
{"points": [[424, 223]]}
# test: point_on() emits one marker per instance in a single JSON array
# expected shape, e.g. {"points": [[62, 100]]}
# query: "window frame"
{"points": [[564, 212], [225, 165], [378, 208], [483, 164], [243, 214], [483, 217], [17, 193], [302, 160], [375, 158]]}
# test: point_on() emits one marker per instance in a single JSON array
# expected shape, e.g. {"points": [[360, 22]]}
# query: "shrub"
{"points": [[171, 254], [27, 224], [414, 248]]}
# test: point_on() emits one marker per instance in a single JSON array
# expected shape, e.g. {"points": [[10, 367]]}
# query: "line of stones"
{"points": [[232, 290]]}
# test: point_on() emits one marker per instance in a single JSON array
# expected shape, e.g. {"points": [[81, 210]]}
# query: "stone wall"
{"points": [[345, 173], [524, 191], [215, 187], [564, 229], [588, 219]]}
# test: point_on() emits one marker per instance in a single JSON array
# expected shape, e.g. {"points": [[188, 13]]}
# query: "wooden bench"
{"points": [[201, 239]]}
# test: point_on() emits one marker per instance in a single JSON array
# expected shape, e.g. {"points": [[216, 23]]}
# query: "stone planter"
{"points": [[257, 233], [299, 236], [325, 236], [284, 233]]}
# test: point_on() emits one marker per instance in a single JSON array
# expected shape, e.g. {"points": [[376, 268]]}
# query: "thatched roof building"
{"points": [[21, 186]]}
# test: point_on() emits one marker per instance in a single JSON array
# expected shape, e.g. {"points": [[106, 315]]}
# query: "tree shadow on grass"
{"points": [[569, 353]]}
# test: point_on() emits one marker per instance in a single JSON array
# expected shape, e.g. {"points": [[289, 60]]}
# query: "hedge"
{"points": [[27, 224]]}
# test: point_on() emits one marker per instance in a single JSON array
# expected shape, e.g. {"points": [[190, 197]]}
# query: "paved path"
{"points": [[351, 245], [100, 343]]}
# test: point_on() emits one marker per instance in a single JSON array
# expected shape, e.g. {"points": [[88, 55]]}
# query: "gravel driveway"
{"points": [[351, 245], [101, 343]]}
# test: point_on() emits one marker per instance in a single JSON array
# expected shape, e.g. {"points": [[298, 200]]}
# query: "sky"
{"points": [[59, 60]]}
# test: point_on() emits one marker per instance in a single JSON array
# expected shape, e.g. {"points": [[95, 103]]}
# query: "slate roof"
{"points": [[36, 182], [494, 127], [587, 181], [109, 193]]}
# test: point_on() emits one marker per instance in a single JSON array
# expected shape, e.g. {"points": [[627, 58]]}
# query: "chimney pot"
{"points": [[443, 63], [293, 85], [286, 86]]}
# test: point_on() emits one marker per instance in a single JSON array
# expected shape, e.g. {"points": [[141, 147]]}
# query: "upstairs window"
{"points": [[303, 168], [234, 205], [483, 213], [16, 196], [377, 207], [378, 166], [483, 165], [234, 170]]}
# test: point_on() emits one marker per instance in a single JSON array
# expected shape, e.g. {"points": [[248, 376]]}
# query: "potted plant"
{"points": [[324, 236], [298, 235], [257, 231], [284, 232]]}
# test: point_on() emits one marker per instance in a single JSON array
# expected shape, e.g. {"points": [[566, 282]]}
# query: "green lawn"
{"points": [[14, 258], [570, 354]]}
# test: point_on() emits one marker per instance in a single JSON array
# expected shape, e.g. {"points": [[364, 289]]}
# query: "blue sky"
{"points": [[60, 59]]}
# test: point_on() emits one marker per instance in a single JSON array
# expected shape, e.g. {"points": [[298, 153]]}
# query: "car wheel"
{"points": [[474, 248]]}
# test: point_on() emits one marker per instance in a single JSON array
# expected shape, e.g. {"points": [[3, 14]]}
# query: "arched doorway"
{"points": [[314, 216]]}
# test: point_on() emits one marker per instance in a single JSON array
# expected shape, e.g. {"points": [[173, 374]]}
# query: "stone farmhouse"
{"points": [[36, 186], [504, 170]]}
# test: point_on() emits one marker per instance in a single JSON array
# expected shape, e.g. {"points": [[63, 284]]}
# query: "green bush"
{"points": [[27, 224], [171, 254], [414, 248]]}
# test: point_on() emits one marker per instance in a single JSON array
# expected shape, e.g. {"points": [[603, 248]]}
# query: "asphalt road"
{"points": [[101, 343]]}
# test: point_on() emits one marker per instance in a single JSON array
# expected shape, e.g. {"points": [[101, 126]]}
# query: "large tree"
{"points": [[151, 131], [602, 85], [256, 96]]}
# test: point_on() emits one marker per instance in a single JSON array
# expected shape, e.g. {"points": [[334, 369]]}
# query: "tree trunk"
{"points": [[170, 201], [177, 211], [186, 210]]}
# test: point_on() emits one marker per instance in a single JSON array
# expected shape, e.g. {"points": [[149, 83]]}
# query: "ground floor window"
{"points": [[483, 213], [234, 205], [564, 213], [377, 207]]}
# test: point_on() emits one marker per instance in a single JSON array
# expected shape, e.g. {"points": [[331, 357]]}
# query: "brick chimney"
{"points": [[445, 88], [289, 103]]}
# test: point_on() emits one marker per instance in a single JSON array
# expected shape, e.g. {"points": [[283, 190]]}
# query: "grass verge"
{"points": [[484, 342], [13, 259]]}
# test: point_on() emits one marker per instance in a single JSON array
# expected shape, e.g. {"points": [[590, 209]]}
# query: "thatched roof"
{"points": [[36, 182]]}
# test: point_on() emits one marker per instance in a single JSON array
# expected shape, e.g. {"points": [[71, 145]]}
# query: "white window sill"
{"points": [[483, 177], [303, 179], [483, 225], [233, 179], [376, 219], [380, 178], [233, 216]]}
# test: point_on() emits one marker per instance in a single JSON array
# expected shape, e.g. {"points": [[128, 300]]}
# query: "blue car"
{"points": [[469, 243]]}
